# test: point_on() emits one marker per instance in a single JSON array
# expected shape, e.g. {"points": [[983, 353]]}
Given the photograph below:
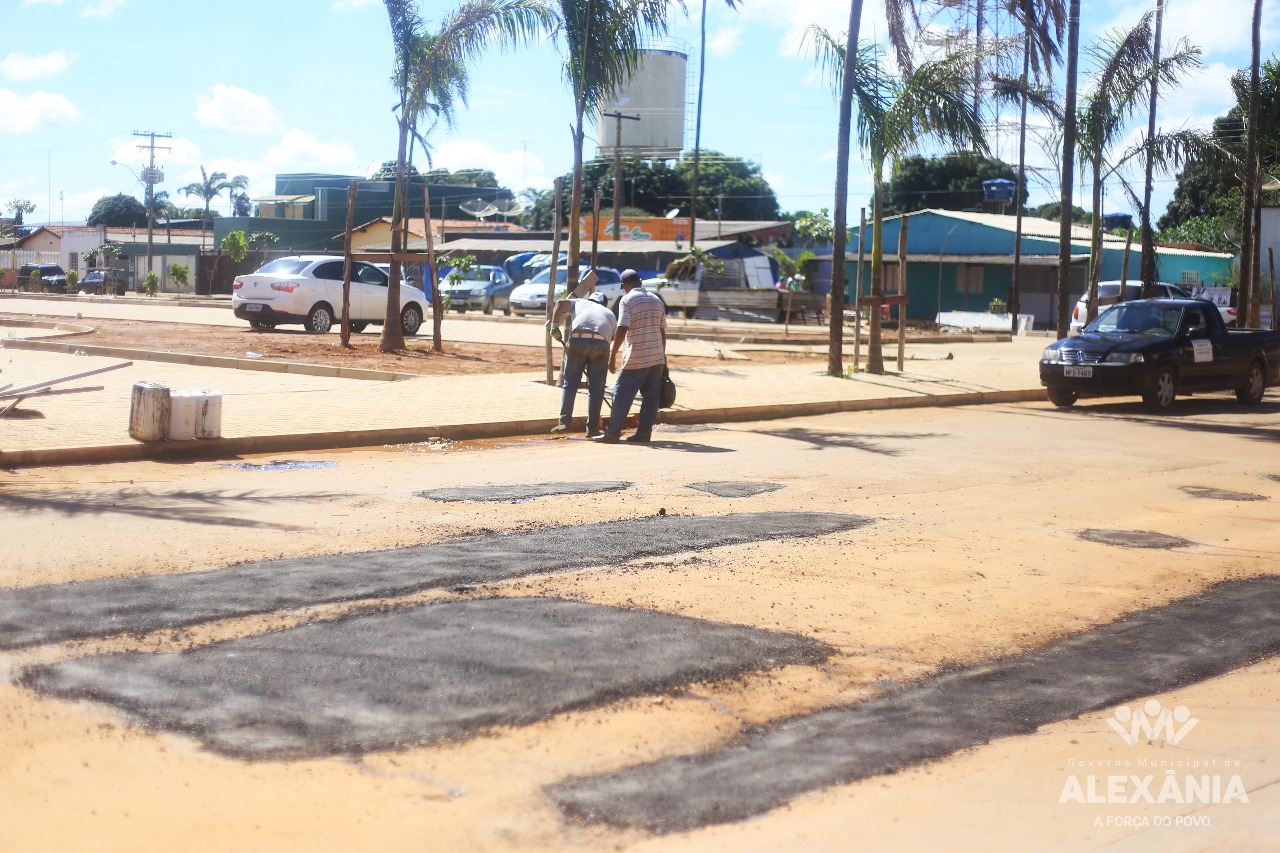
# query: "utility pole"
{"points": [[617, 169], [151, 176]]}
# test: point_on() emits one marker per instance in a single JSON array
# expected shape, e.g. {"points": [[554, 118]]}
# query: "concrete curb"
{"points": [[216, 361], [222, 448]]}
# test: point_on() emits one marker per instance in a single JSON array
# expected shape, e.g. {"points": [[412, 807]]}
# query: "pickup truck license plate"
{"points": [[1078, 372], [253, 306]]}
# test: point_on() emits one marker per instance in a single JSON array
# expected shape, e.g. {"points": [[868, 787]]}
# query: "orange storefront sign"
{"points": [[638, 229]]}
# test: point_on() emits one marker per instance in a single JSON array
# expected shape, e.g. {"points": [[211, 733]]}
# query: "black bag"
{"points": [[667, 398]]}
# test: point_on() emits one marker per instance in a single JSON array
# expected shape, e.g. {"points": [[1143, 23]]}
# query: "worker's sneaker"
{"points": [[592, 433], [606, 437], [640, 438], [560, 428]]}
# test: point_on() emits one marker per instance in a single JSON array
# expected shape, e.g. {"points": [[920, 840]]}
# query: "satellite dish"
{"points": [[673, 213], [1270, 184], [507, 206], [1233, 236], [478, 208]]}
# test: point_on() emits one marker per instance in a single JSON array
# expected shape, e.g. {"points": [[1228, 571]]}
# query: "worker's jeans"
{"points": [[647, 381], [592, 356]]}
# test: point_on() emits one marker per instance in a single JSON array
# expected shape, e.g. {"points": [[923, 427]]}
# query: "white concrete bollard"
{"points": [[195, 414], [149, 412]]}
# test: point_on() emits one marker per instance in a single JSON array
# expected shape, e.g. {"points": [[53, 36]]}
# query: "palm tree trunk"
{"points": [[1068, 167], [875, 358], [1248, 235], [1015, 279], [1149, 272], [1095, 232], [573, 214], [392, 333], [697, 131], [840, 229]]}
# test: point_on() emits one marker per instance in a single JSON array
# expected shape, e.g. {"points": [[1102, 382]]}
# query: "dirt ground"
{"points": [[298, 346], [970, 558]]}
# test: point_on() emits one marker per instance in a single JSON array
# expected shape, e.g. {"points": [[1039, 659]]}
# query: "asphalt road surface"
{"points": [[981, 628]]}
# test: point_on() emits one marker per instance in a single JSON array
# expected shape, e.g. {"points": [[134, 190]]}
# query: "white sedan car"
{"points": [[306, 290], [531, 297]]}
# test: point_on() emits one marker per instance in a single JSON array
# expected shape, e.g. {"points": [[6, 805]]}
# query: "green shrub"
{"points": [[34, 284], [73, 282], [998, 307], [151, 283], [180, 273]]}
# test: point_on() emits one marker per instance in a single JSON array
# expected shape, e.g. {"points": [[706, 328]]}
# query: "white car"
{"points": [[306, 290], [531, 297], [1132, 291]]}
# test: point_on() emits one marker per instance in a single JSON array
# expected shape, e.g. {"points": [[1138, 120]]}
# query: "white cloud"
{"points": [[1218, 27], [100, 8], [19, 66], [39, 2], [237, 110], [791, 18], [36, 111], [725, 41], [346, 5], [515, 169]]}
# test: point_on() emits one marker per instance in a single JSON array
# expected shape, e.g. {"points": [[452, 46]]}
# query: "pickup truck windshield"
{"points": [[1138, 320]]}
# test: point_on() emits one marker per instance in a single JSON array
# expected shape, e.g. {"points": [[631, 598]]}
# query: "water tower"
{"points": [[655, 94]]}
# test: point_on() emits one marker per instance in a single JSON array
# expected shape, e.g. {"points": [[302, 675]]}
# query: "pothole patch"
{"points": [[435, 672], [1221, 494], [1134, 539], [1143, 654], [512, 492], [735, 488], [56, 612]]}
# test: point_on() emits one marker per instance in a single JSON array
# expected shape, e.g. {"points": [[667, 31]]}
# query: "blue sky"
{"points": [[269, 86]]}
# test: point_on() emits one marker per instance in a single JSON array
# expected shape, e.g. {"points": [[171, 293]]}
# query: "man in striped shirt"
{"points": [[642, 327]]}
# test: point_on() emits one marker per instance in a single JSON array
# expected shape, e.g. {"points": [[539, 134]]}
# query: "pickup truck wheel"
{"points": [[1063, 398], [411, 320], [320, 319], [488, 307], [358, 327], [1255, 385], [1164, 388]]}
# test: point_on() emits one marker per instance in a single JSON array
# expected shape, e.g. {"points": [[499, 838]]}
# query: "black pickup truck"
{"points": [[1158, 348]]}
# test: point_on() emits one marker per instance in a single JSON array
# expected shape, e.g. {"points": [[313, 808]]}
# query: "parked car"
{"points": [[1133, 290], [1159, 348], [531, 297], [306, 290], [53, 278], [677, 294], [485, 288], [104, 281]]}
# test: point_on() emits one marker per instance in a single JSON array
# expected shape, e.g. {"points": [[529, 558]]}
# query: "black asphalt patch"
{"points": [[1134, 538], [283, 465], [735, 488], [1232, 625], [429, 673], [520, 491], [1220, 494], [44, 614]]}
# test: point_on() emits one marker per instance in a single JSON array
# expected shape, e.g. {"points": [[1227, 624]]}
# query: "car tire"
{"points": [[488, 307], [320, 319], [1063, 398], [1255, 385], [506, 311], [1163, 389], [358, 327], [410, 319], [262, 325], [688, 313]]}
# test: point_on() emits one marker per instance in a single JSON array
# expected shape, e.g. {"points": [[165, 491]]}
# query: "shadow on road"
{"points": [[821, 439], [192, 507]]}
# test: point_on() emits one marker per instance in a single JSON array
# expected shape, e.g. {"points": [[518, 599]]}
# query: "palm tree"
{"points": [[1249, 254], [697, 121], [895, 116], [840, 224], [1148, 240], [430, 77], [1068, 167], [603, 40], [1125, 71], [210, 186]]}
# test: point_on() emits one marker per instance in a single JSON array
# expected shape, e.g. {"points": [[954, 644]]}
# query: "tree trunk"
{"points": [[437, 303], [875, 358], [1095, 231], [574, 213], [1150, 274], [1068, 167], [1248, 236], [840, 229], [1019, 202], [697, 131], [392, 333]]}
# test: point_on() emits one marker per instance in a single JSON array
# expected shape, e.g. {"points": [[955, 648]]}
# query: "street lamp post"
{"points": [[149, 178]]}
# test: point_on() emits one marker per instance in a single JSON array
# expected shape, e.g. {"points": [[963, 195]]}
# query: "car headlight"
{"points": [[1125, 358], [1052, 355], [480, 291]]}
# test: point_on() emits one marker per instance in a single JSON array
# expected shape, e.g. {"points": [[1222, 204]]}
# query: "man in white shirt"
{"points": [[642, 327], [587, 349]]}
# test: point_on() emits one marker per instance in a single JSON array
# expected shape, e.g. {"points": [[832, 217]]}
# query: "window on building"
{"points": [[969, 278], [1190, 277]]}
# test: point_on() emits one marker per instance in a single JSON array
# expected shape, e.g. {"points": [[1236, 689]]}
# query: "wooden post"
{"points": [[346, 266], [595, 229], [1275, 298], [902, 291], [437, 302], [551, 276], [857, 299], [786, 313], [1124, 264]]}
